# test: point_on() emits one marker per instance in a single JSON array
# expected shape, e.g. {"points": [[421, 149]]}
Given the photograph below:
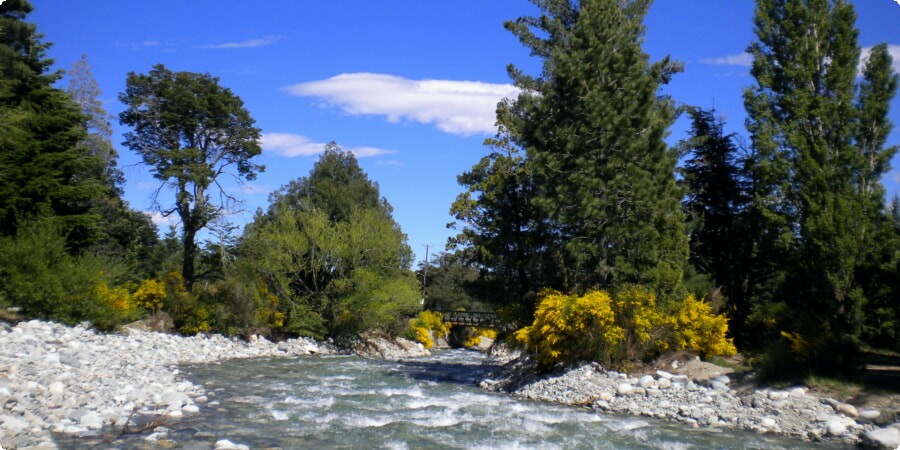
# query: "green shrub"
{"points": [[38, 275]]}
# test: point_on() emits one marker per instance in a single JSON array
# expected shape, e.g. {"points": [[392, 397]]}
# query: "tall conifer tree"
{"points": [[594, 129]]}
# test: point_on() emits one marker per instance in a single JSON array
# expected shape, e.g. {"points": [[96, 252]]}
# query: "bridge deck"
{"points": [[481, 319]]}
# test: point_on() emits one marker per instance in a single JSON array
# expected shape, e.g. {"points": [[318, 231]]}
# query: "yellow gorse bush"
{"points": [[426, 324], [475, 335], [569, 328], [631, 325], [150, 294], [698, 328]]}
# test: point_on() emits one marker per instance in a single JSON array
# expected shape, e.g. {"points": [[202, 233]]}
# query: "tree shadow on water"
{"points": [[444, 372]]}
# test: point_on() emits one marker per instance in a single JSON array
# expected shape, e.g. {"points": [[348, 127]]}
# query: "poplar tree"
{"points": [[594, 128], [813, 165]]}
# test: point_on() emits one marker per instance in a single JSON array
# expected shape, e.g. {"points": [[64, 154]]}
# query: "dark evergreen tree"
{"points": [[501, 231], [43, 173], [190, 132], [593, 129], [717, 202]]}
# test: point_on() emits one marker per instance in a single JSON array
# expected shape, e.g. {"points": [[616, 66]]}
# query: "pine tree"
{"points": [[43, 173], [594, 129], [717, 201]]}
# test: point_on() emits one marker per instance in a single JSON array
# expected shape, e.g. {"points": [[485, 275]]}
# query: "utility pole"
{"points": [[425, 274]]}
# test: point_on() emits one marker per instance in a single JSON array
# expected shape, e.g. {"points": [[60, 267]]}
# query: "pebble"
{"points": [[705, 403], [74, 380]]}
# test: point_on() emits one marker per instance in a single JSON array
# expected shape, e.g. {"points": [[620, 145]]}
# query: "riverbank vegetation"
{"points": [[581, 226]]}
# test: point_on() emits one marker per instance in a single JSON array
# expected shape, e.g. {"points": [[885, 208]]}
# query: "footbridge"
{"points": [[480, 319]]}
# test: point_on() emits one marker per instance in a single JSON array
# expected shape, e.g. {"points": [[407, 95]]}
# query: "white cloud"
{"points": [[163, 222], [249, 43], [456, 107], [893, 50], [293, 145], [896, 177], [741, 59]]}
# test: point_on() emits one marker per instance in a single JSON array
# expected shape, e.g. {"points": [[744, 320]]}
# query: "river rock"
{"points": [[225, 444], [624, 389], [835, 427], [847, 410], [887, 438], [647, 382]]}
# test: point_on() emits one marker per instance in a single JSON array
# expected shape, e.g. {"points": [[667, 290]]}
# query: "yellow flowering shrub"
{"points": [[150, 295], [117, 299], [631, 325], [698, 328], [646, 328], [197, 321], [422, 336], [475, 334], [425, 325], [268, 313], [568, 328]]}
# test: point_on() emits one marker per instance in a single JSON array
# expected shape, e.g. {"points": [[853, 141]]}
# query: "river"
{"points": [[350, 402]]}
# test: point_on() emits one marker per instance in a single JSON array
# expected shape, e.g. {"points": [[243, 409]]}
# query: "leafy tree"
{"points": [[450, 283], [336, 186], [817, 152], [593, 127], [336, 267], [191, 132]]}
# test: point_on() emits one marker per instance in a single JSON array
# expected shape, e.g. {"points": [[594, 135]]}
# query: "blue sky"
{"points": [[409, 86]]}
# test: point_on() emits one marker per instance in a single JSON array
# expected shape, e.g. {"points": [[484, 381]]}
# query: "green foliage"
{"points": [[450, 284], [38, 274], [332, 277], [818, 156], [190, 131]]}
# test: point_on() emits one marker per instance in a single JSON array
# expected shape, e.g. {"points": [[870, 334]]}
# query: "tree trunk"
{"points": [[187, 263]]}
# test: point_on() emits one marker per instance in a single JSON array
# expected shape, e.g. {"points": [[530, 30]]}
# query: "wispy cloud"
{"points": [[293, 145], [249, 43], [251, 189], [741, 59], [163, 222], [893, 50], [455, 107], [896, 177]]}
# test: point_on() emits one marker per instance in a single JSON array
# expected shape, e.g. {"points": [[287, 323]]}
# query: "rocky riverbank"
{"points": [[62, 379], [707, 400]]}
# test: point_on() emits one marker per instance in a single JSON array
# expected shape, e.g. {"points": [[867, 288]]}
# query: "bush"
{"points": [[475, 334], [632, 325], [425, 325], [38, 274], [568, 328]]}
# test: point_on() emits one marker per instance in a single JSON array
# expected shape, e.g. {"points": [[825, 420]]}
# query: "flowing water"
{"points": [[429, 403]]}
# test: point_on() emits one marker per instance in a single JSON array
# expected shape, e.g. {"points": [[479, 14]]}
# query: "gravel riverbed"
{"points": [[707, 401], [60, 379]]}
